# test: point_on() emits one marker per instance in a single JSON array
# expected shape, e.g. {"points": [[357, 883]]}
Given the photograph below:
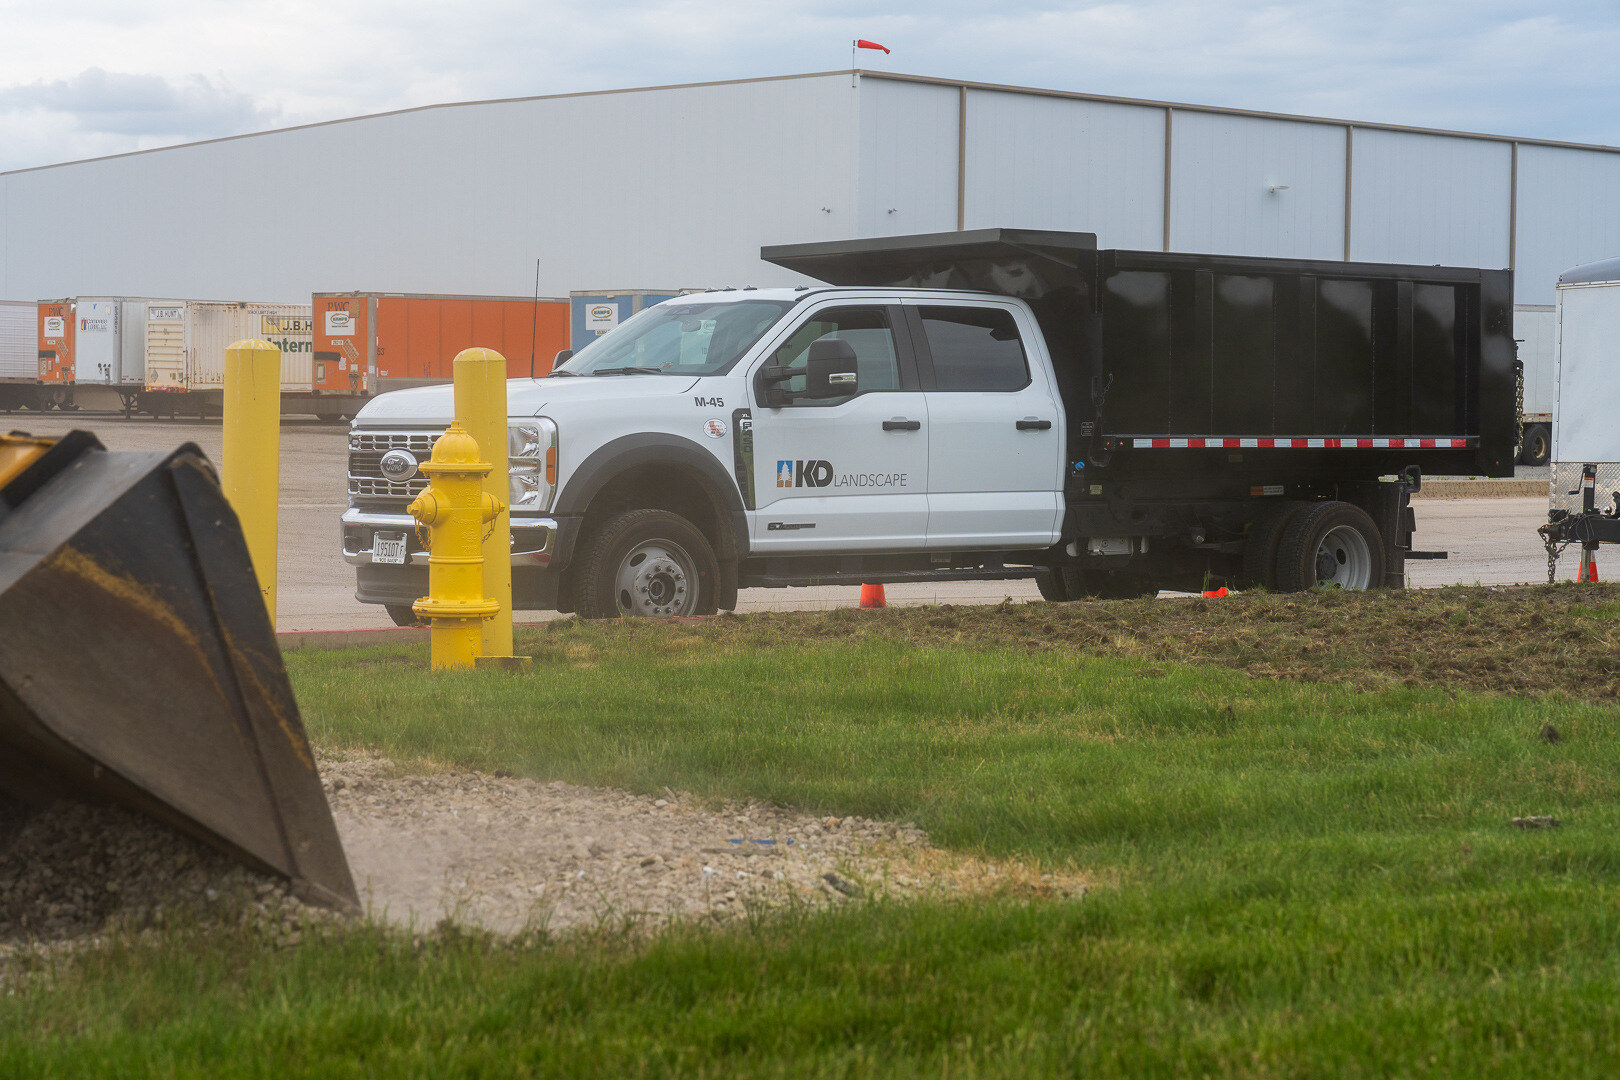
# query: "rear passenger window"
{"points": [[975, 348]]}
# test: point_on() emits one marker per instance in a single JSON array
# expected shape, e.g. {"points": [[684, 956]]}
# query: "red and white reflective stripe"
{"points": [[1347, 442]]}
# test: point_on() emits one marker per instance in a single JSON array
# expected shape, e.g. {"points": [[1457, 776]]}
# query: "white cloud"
{"points": [[104, 75]]}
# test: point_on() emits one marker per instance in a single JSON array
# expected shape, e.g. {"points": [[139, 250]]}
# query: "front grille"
{"points": [[366, 481]]}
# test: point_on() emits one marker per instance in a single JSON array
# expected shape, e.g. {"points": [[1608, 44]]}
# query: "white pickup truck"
{"points": [[1109, 423]]}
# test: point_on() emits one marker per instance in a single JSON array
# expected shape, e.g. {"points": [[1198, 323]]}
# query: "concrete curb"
{"points": [[1482, 489], [349, 639]]}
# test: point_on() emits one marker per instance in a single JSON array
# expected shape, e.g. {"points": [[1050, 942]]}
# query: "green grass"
{"points": [[1303, 880]]}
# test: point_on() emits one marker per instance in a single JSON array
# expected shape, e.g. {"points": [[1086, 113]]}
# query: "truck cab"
{"points": [[773, 423]]}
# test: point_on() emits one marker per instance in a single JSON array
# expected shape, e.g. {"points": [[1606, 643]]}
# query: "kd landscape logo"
{"points": [[810, 473]]}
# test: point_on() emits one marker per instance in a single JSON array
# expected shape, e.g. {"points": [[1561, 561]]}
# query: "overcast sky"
{"points": [[106, 76]]}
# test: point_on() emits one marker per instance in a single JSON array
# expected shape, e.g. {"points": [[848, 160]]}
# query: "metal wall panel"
{"points": [[1569, 215], [1429, 199], [908, 160], [682, 184], [1056, 163], [1223, 170]]}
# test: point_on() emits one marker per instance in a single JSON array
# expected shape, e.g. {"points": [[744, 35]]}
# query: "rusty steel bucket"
{"points": [[138, 664]]}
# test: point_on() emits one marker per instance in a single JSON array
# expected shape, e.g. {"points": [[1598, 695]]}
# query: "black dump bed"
{"points": [[1195, 362]]}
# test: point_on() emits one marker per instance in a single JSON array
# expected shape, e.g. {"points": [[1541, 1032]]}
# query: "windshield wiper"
{"points": [[559, 373], [628, 371]]}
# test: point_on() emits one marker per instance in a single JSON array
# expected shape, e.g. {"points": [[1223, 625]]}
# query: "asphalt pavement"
{"points": [[1488, 541]]}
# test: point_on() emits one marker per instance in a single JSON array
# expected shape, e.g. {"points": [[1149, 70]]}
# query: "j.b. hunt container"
{"points": [[186, 342]]}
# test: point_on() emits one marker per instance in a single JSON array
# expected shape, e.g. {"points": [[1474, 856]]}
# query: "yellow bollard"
{"points": [[480, 382], [456, 510], [251, 470]]}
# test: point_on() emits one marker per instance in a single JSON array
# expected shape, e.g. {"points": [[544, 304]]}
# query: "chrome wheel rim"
{"points": [[1343, 560], [656, 578]]}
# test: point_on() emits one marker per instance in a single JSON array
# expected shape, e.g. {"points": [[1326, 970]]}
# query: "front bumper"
{"points": [[533, 539]]}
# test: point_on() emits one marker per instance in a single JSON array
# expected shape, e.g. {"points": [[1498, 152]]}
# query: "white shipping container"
{"points": [[110, 349], [186, 342], [19, 340]]}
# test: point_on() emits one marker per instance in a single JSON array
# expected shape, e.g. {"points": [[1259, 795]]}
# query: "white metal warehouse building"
{"points": [[679, 187]]}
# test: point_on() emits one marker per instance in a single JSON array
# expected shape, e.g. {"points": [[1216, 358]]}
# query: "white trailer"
{"points": [[19, 355], [1584, 494]]}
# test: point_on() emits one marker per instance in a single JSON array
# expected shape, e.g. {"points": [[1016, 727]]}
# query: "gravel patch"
{"points": [[510, 854], [73, 874], [505, 854]]}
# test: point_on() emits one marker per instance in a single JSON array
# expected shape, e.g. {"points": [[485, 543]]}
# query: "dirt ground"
{"points": [[511, 854]]}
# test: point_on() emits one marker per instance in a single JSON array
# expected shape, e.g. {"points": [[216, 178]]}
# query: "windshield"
{"points": [[697, 338]]}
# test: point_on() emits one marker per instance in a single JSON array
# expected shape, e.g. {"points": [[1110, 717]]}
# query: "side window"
{"points": [[975, 348], [868, 333]]}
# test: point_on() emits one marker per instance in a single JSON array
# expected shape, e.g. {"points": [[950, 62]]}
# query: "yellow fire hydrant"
{"points": [[455, 509]]}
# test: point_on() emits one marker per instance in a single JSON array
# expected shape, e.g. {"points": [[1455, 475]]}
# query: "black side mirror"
{"points": [[830, 369]]}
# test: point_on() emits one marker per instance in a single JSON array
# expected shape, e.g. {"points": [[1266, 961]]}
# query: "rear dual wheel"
{"points": [[1073, 583], [1329, 545]]}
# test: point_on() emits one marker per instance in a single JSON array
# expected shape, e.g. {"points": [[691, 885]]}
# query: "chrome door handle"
{"points": [[902, 425], [1031, 424]]}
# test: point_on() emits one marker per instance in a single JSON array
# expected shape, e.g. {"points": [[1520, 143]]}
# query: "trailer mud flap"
{"points": [[139, 666]]}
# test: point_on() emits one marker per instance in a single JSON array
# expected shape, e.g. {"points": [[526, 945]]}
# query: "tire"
{"points": [[648, 563], [403, 615], [1537, 448], [1264, 539], [1330, 545], [1050, 582], [1105, 585]]}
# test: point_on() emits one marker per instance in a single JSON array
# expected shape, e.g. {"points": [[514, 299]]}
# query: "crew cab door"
{"points": [[996, 438], [848, 473]]}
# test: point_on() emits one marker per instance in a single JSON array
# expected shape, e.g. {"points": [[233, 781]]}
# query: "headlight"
{"points": [[532, 475], [523, 441]]}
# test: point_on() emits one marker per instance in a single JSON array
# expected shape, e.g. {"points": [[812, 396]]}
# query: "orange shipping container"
{"points": [[370, 343], [56, 341]]}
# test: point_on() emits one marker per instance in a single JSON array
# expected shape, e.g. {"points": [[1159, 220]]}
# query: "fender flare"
{"points": [[648, 448]]}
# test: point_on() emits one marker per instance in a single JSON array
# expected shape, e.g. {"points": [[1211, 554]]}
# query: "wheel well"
{"points": [[674, 488]]}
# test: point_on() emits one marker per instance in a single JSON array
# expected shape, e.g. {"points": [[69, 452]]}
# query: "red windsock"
{"points": [[864, 44]]}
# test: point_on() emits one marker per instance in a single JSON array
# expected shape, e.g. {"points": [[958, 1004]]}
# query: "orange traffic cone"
{"points": [[1213, 593], [872, 596], [1588, 571]]}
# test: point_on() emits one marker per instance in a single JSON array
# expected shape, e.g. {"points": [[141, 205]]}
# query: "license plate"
{"points": [[388, 547]]}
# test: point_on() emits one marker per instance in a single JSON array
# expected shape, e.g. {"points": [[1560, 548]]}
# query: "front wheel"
{"points": [[1330, 545], [404, 615], [649, 563]]}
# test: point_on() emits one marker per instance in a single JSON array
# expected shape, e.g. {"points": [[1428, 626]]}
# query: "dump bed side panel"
{"points": [[1204, 347]]}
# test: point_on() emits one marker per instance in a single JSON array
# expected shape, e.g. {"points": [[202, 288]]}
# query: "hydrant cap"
{"points": [[456, 447]]}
